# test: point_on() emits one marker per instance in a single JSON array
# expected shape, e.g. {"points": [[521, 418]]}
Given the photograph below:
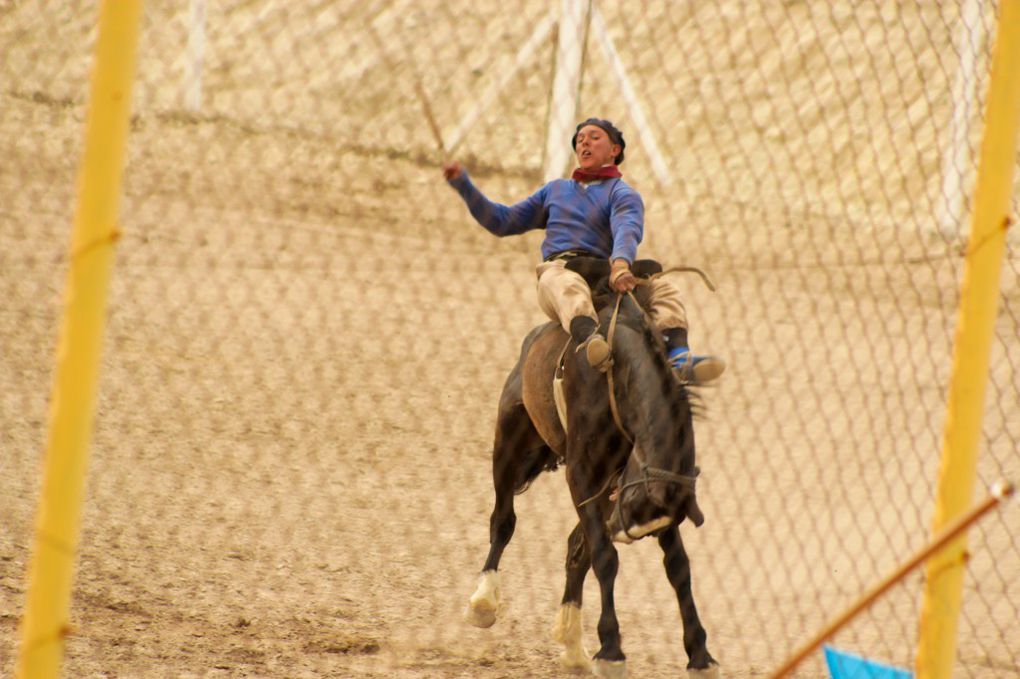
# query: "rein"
{"points": [[609, 373], [648, 473], [612, 395]]}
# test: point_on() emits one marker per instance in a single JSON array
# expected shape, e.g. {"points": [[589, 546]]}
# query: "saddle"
{"points": [[595, 272]]}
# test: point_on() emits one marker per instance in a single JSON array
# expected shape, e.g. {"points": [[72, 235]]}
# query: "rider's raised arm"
{"points": [[502, 220], [627, 221]]}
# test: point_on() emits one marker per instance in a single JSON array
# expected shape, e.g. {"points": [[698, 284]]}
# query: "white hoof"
{"points": [[637, 532], [610, 669], [568, 631], [484, 603], [575, 659], [481, 613], [710, 672]]}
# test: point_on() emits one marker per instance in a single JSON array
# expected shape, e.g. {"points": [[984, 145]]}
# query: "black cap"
{"points": [[615, 135]]}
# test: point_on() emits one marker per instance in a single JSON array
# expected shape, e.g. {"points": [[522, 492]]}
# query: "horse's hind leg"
{"points": [[484, 603], [700, 665], [519, 455], [567, 627]]}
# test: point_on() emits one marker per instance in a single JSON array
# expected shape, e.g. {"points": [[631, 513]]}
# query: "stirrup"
{"points": [[596, 350], [693, 369]]}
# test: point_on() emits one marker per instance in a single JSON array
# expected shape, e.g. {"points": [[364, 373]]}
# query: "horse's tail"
{"points": [[534, 462]]}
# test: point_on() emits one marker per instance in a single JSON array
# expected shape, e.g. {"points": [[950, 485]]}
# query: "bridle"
{"points": [[648, 473]]}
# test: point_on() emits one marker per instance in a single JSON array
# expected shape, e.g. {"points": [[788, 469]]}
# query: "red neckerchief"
{"points": [[604, 172]]}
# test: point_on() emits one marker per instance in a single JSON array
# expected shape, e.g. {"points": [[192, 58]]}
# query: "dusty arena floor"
{"points": [[305, 343], [290, 469]]}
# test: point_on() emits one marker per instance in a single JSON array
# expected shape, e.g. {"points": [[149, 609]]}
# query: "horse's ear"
{"points": [[694, 512]]}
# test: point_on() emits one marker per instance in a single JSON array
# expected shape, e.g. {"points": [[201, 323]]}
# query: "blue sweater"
{"points": [[607, 218]]}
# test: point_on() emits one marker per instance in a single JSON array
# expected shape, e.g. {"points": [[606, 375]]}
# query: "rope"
{"points": [[679, 269], [648, 473], [690, 269], [605, 487], [609, 373]]}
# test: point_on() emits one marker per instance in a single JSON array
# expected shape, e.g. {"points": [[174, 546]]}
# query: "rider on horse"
{"points": [[593, 214]]}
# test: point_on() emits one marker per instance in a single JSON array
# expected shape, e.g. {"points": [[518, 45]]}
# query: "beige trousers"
{"points": [[563, 295]]}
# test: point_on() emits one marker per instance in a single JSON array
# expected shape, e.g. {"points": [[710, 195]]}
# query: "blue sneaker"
{"points": [[695, 369]]}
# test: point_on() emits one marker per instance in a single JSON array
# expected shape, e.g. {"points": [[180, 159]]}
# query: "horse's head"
{"points": [[657, 486]]}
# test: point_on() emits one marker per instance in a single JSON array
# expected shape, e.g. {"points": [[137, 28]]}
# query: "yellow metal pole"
{"points": [[936, 651], [78, 354]]}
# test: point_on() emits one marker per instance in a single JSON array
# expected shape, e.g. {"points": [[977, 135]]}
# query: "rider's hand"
{"points": [[452, 170], [620, 277]]}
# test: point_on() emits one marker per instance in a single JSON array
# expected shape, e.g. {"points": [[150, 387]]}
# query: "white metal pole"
{"points": [[565, 88], [196, 54], [951, 206], [637, 114]]}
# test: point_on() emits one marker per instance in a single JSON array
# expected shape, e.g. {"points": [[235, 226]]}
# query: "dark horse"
{"points": [[644, 453]]}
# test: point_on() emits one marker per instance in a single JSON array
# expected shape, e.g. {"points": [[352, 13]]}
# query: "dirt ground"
{"points": [[307, 336]]}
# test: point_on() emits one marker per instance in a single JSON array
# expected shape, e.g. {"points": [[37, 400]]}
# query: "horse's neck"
{"points": [[628, 314]]}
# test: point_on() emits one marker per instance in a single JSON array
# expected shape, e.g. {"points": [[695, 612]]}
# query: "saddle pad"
{"points": [[560, 399]]}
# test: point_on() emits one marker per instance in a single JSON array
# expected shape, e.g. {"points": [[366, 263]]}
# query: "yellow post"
{"points": [[972, 348], [78, 354]]}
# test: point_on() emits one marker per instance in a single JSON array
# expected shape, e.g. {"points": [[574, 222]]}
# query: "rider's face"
{"points": [[594, 148]]}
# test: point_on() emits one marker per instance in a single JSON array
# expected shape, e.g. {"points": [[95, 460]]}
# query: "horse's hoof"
{"points": [[610, 669], [481, 613], [567, 630], [576, 659], [484, 603], [710, 672]]}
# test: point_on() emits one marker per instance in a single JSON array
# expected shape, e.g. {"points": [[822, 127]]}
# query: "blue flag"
{"points": [[846, 666]]}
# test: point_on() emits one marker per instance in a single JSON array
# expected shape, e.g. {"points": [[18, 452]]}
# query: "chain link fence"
{"points": [[307, 333]]}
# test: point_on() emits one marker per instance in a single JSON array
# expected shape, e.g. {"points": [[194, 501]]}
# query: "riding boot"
{"points": [[687, 366], [584, 331]]}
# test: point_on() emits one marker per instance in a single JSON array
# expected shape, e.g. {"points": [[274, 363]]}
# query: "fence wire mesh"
{"points": [[307, 333]]}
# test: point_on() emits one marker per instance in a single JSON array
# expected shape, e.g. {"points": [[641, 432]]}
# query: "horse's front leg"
{"points": [[567, 628], [701, 664], [609, 660]]}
